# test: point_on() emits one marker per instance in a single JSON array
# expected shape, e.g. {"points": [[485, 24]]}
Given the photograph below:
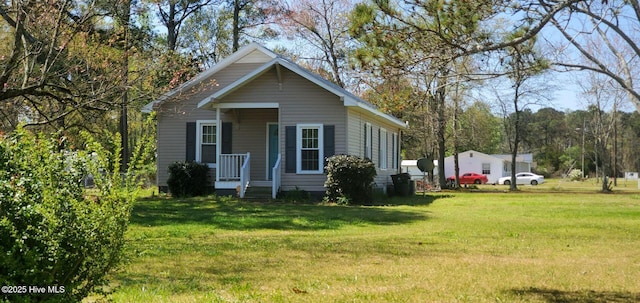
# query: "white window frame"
{"points": [[383, 149], [299, 128], [394, 150], [368, 141], [488, 165], [199, 125]]}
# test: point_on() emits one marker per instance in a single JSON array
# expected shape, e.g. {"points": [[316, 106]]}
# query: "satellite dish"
{"points": [[425, 164]]}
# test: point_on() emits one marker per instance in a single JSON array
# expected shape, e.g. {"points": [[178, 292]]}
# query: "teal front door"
{"points": [[273, 148]]}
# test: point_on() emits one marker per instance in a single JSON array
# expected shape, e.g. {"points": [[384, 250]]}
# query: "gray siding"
{"points": [[356, 122], [174, 114], [300, 101]]}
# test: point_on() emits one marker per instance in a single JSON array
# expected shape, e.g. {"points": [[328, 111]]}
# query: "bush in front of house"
{"points": [[188, 179], [349, 179], [54, 234]]}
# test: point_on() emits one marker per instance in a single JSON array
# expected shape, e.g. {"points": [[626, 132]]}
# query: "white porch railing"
{"points": [[230, 166], [275, 176], [244, 175]]}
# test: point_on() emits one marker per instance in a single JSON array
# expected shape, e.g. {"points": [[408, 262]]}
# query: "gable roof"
{"points": [[233, 58], [348, 99]]}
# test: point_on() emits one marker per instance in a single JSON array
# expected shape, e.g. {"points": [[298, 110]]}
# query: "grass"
{"points": [[559, 242]]}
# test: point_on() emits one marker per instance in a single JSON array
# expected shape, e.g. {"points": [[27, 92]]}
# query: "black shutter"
{"points": [[290, 149], [364, 143], [226, 138], [329, 141], [191, 141], [379, 146]]}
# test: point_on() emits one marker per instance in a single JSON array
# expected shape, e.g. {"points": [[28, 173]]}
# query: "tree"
{"points": [[523, 63], [630, 141], [603, 94], [45, 75], [248, 15], [481, 130], [324, 26], [422, 40], [548, 136], [207, 35], [173, 13], [602, 37]]}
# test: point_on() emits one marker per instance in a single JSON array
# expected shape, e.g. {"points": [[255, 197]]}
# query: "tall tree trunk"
{"points": [[237, 7], [172, 34], [516, 138], [442, 126], [124, 123]]}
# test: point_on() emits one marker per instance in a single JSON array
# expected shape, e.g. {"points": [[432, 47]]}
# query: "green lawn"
{"points": [[559, 242]]}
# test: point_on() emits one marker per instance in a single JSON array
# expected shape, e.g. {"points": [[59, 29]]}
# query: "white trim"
{"points": [[299, 128], [266, 176], [199, 125], [247, 105], [378, 113]]}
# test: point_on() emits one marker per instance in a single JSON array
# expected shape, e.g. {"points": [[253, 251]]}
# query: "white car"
{"points": [[523, 178]]}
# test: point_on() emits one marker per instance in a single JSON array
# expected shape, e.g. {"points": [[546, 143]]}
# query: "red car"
{"points": [[469, 178]]}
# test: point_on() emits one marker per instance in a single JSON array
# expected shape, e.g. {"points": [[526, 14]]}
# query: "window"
{"points": [[394, 151], [368, 140], [383, 145], [206, 136], [309, 147], [486, 168]]}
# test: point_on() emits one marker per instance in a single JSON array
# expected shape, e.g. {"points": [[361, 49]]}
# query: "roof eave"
{"points": [[376, 112]]}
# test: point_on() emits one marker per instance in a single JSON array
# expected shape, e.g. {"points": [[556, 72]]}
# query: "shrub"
{"points": [[52, 232], [349, 179], [188, 179], [575, 175]]}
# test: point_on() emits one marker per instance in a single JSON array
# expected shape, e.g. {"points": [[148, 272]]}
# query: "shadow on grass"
{"points": [[232, 214], [583, 296]]}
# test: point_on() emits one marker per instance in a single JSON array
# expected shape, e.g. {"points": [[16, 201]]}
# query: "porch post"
{"points": [[218, 143]]}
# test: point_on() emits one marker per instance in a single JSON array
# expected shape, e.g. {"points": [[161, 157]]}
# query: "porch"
{"points": [[234, 172], [249, 147]]}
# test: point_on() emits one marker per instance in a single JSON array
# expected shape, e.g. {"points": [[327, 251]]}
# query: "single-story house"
{"points": [[493, 166], [258, 119]]}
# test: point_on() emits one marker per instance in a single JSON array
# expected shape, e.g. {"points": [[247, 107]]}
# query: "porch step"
{"points": [[258, 193]]}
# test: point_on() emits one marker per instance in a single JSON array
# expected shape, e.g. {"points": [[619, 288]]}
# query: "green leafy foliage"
{"points": [[52, 231], [349, 179], [188, 179]]}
